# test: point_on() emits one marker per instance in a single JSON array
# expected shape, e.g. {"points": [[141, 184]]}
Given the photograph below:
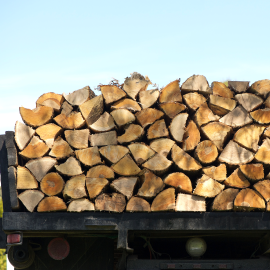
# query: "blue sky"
{"points": [[60, 46]]}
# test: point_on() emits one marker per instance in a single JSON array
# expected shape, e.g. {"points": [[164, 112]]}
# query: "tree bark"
{"points": [[237, 180], [179, 181], [96, 186], [31, 198], [112, 203], [23, 134], [126, 167], [165, 201], [52, 204], [52, 184], [224, 200], [75, 188], [190, 203], [89, 156]]}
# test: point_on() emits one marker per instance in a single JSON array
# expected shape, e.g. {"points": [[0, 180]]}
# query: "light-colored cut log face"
{"points": [[261, 116], [263, 154], [158, 164], [177, 127], [206, 152], [30, 199], [217, 173], [78, 97], [249, 101], [148, 98], [66, 108], [165, 201], [126, 167], [132, 134], [238, 86], [184, 161], [95, 186], [162, 146], [52, 184], [148, 116], [128, 104], [267, 102], [157, 130], [238, 117], [204, 115], [194, 100], [224, 200], [151, 185], [179, 181], [23, 134], [103, 124], [50, 95], [171, 93], [106, 138], [191, 137], [234, 154], [36, 117], [140, 152], [196, 83], [112, 203], [122, 117], [89, 156], [190, 203], [261, 87], [220, 105], [113, 153], [25, 180], [263, 187], [35, 149], [220, 89], [208, 187], [125, 185], [171, 109], [71, 167], [48, 133], [101, 171], [253, 172], [72, 121], [249, 136], [51, 102], [81, 205], [248, 200], [52, 204], [136, 204], [61, 149], [112, 93], [75, 188], [237, 180], [78, 138], [266, 133]]}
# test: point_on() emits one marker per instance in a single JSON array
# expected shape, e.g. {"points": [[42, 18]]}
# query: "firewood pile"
{"points": [[190, 148]]}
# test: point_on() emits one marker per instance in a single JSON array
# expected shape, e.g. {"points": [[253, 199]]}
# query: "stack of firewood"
{"points": [[188, 148]]}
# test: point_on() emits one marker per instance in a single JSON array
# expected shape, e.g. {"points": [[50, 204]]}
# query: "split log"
{"points": [[204, 115], [194, 100], [78, 138], [237, 180], [112, 93], [48, 133], [103, 124], [151, 185], [36, 117], [191, 137], [52, 204], [113, 153], [25, 180], [40, 167], [162, 146], [208, 187], [122, 117], [148, 116], [89, 156], [218, 173], [220, 89], [51, 102], [100, 171], [136, 204], [261, 87], [52, 184], [171, 109], [206, 152], [125, 186], [171, 93], [72, 121], [261, 116], [184, 161], [71, 167], [165, 201], [112, 203], [132, 134], [35, 149], [218, 133], [148, 98], [92, 109], [249, 136], [141, 152], [105, 138], [95, 186], [249, 200], [238, 86], [158, 164], [61, 149], [263, 187], [126, 103], [126, 167], [177, 127], [267, 102], [224, 200], [190, 203], [249, 101], [196, 83], [31, 198], [266, 133], [157, 130], [220, 105], [179, 181], [263, 154], [66, 108], [23, 134], [49, 95], [81, 205], [75, 188], [237, 118], [78, 97], [253, 172]]}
